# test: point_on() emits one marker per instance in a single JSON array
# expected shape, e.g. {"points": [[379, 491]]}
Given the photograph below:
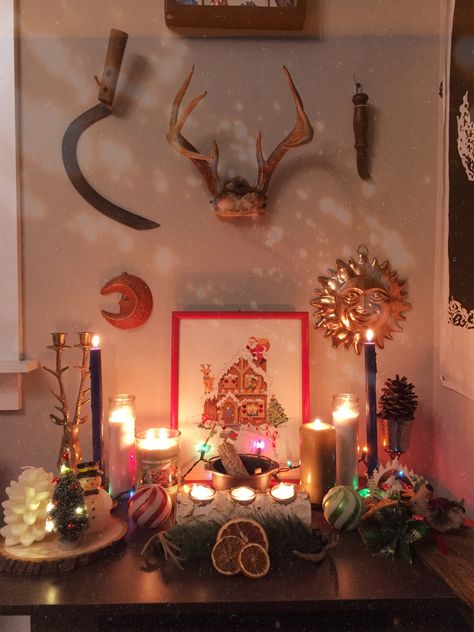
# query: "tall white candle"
{"points": [[121, 450], [345, 416]]}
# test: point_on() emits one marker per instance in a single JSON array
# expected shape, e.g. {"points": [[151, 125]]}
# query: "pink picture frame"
{"points": [[244, 376]]}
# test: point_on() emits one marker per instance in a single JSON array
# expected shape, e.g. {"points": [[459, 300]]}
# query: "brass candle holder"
{"points": [[70, 423]]}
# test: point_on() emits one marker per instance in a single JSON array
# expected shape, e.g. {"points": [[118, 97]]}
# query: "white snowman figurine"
{"points": [[98, 501]]}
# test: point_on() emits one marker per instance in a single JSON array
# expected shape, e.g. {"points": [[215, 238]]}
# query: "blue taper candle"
{"points": [[371, 401], [96, 401]]}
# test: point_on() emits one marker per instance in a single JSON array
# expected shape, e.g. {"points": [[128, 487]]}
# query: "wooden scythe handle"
{"points": [[113, 62]]}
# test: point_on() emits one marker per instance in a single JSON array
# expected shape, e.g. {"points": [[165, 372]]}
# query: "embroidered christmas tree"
{"points": [[276, 415], [69, 513]]}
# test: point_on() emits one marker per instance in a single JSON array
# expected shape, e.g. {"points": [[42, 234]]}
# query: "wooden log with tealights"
{"points": [[223, 508]]}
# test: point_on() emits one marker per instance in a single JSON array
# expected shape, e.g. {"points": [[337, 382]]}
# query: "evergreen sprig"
{"points": [[392, 530], [196, 540], [286, 535]]}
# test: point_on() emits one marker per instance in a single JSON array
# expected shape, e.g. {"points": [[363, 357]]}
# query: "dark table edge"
{"points": [[240, 607]]}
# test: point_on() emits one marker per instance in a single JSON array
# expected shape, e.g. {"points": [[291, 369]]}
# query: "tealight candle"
{"points": [[201, 494], [283, 493], [243, 495], [157, 457]]}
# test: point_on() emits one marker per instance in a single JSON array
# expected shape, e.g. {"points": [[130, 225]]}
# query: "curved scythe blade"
{"points": [[73, 170], [113, 61]]}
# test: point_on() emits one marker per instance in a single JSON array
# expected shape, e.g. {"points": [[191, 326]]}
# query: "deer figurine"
{"points": [[207, 378], [236, 197], [70, 448]]}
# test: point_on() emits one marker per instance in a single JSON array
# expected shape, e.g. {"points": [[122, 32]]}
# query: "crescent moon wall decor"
{"points": [[136, 302]]}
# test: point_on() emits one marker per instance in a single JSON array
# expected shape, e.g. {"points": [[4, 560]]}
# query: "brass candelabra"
{"points": [[70, 421]]}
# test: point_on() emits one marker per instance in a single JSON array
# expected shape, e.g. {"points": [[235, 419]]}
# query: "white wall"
{"points": [[319, 209]]}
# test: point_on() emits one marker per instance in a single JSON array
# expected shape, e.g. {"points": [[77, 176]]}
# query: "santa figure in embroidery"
{"points": [[258, 347]]}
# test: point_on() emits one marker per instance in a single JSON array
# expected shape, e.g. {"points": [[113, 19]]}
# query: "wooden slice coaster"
{"points": [[48, 558]]}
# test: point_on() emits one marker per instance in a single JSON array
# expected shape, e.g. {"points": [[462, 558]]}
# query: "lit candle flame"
{"points": [[202, 493], [344, 413], [243, 495], [95, 341], [369, 335], [283, 492], [158, 439], [319, 425]]}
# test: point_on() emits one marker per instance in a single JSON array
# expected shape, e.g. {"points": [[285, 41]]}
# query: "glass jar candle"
{"points": [[157, 452], [121, 444], [345, 416]]}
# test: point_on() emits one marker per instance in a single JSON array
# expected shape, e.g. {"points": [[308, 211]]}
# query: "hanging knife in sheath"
{"points": [[361, 131], [113, 62]]}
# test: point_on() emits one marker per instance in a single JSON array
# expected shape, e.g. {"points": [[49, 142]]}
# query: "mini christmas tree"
{"points": [[68, 512], [276, 415]]}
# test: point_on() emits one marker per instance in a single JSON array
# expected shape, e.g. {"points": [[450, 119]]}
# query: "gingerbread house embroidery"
{"points": [[240, 396]]}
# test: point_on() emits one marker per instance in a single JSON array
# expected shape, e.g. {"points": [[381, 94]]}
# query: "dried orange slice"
{"points": [[254, 561], [225, 555], [248, 530]]}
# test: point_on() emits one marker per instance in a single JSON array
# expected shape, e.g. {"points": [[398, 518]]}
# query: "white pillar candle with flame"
{"points": [[345, 416], [121, 452]]}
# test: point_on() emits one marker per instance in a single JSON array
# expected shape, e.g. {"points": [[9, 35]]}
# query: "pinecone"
{"points": [[398, 401]]}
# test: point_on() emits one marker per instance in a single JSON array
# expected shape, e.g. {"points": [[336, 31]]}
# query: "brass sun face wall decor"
{"points": [[357, 296]]}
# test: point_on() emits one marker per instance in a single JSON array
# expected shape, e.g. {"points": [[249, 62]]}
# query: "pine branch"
{"points": [[196, 540]]}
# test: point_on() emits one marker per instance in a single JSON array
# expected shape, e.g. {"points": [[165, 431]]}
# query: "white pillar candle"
{"points": [[121, 452], [345, 416]]}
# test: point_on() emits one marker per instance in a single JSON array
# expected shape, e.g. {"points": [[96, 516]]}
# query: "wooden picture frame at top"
{"points": [[203, 18], [231, 368]]}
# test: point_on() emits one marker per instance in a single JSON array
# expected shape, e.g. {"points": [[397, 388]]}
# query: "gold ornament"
{"points": [[357, 297]]}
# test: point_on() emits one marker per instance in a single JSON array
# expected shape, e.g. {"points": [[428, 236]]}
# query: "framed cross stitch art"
{"points": [[241, 377]]}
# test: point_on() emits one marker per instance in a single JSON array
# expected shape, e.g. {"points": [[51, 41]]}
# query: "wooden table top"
{"points": [[350, 579]]}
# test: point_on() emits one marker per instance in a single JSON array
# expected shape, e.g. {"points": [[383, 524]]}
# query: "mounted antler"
{"points": [[236, 197]]}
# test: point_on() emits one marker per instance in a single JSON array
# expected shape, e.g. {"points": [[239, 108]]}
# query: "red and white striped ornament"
{"points": [[150, 506]]}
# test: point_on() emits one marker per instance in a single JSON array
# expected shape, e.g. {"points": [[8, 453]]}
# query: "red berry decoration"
{"points": [[150, 507]]}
